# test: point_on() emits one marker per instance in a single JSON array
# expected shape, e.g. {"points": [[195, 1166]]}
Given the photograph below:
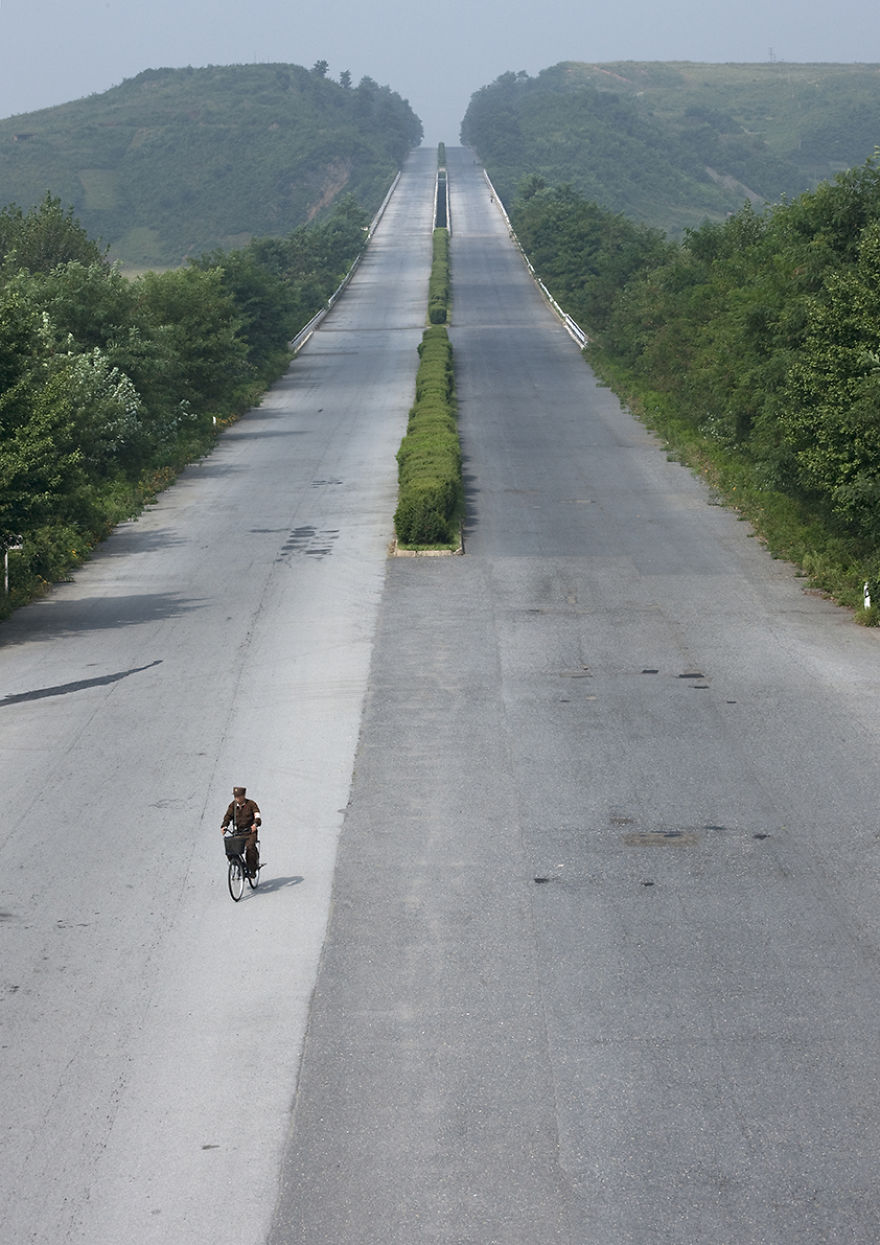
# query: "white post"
{"points": [[867, 596], [15, 547]]}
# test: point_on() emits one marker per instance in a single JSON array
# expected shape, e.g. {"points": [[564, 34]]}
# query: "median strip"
{"points": [[430, 504]]}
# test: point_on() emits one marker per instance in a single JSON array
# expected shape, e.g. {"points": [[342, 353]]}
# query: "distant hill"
{"points": [[672, 144], [175, 162]]}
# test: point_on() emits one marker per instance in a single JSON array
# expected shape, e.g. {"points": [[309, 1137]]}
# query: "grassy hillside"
{"points": [[673, 144], [178, 161]]}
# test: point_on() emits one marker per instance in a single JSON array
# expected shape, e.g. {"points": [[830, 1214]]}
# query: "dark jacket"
{"points": [[244, 815]]}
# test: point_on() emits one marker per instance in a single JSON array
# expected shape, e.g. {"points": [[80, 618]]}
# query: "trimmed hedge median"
{"points": [[431, 496], [431, 491], [438, 284]]}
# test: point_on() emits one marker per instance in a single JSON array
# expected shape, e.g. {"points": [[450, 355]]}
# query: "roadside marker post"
{"points": [[15, 547]]}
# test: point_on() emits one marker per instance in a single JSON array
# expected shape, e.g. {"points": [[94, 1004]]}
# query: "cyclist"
{"points": [[244, 816]]}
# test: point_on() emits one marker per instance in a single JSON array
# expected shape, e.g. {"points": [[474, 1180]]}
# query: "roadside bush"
{"points": [[108, 386], [752, 347]]}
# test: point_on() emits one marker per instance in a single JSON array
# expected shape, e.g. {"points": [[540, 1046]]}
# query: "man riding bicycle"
{"points": [[244, 816]]}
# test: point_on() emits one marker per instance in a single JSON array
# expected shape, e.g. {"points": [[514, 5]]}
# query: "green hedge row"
{"points": [[438, 285], [429, 459]]}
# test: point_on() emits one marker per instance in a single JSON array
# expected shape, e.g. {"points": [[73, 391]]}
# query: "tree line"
{"points": [[752, 344], [671, 144], [174, 162], [109, 386]]}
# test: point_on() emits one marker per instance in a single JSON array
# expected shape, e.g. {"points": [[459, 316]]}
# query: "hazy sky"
{"points": [[435, 55]]}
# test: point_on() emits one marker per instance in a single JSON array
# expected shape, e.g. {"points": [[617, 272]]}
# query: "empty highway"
{"points": [[568, 929], [603, 960], [151, 1028]]}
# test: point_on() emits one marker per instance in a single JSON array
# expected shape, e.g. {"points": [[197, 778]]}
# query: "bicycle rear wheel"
{"points": [[236, 878]]}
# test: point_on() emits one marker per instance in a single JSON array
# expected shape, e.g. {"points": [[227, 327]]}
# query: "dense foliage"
{"points": [[755, 342], [175, 162], [583, 253], [674, 144], [107, 385]]}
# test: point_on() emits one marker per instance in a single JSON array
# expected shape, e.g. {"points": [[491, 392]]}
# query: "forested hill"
{"points": [[175, 162], [673, 144]]}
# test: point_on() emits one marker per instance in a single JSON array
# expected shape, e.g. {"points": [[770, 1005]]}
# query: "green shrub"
{"points": [[431, 493], [423, 514], [438, 283]]}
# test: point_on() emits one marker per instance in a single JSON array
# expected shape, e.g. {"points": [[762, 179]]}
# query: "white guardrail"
{"points": [[573, 328], [305, 333]]}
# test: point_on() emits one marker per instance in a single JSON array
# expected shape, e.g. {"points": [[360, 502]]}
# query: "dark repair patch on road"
{"points": [[662, 838]]}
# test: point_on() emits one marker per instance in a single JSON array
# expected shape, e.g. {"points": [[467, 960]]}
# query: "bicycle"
{"points": [[238, 870]]}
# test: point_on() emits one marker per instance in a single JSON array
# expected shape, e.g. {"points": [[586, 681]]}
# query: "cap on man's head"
{"points": [[239, 790]]}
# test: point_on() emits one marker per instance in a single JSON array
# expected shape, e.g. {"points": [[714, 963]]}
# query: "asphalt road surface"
{"points": [[603, 962], [150, 1028], [568, 925]]}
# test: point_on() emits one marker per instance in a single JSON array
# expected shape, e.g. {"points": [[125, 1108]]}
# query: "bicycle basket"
{"points": [[234, 843]]}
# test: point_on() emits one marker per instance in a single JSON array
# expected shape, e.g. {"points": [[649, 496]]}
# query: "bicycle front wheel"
{"points": [[236, 878]]}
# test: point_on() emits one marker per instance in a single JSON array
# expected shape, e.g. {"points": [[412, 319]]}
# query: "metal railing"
{"points": [[572, 327], [305, 333]]}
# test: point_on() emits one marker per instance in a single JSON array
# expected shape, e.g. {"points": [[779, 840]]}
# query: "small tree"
{"points": [[44, 237]]}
